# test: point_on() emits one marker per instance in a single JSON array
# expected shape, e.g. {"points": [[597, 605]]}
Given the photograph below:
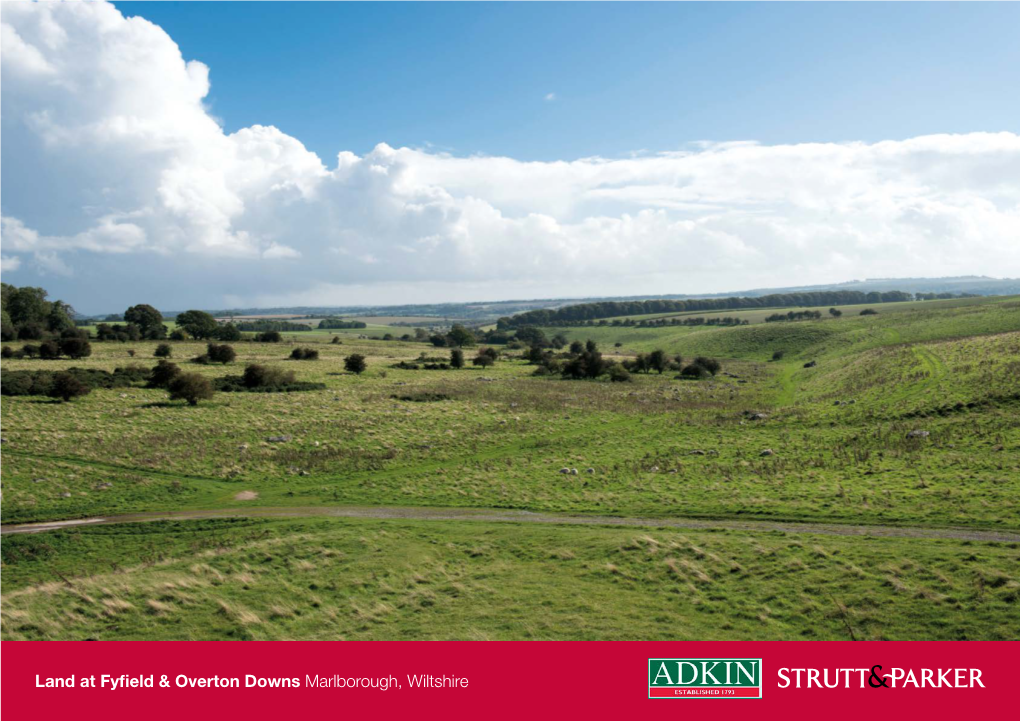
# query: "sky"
{"points": [[265, 154]]}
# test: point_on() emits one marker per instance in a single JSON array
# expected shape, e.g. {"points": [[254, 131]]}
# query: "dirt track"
{"points": [[511, 516]]}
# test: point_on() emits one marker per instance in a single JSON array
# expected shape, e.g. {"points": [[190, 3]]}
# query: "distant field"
{"points": [[498, 438]]}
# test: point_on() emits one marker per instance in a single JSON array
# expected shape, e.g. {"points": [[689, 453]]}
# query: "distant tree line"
{"points": [[340, 323], [794, 315], [572, 314], [261, 325]]}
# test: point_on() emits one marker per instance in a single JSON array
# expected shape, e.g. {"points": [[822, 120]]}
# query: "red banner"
{"points": [[495, 680]]}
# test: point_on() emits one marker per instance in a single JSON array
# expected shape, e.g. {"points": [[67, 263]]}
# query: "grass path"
{"points": [[489, 515]]}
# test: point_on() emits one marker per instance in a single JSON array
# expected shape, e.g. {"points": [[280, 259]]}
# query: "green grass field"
{"points": [[497, 438]]}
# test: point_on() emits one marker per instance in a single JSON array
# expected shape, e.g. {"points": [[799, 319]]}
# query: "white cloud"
{"points": [[108, 107], [549, 97]]}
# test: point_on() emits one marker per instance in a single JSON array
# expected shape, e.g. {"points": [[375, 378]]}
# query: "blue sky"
{"points": [[472, 78], [270, 154]]}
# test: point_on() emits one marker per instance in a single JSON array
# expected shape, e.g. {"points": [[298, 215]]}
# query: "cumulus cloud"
{"points": [[114, 164]]}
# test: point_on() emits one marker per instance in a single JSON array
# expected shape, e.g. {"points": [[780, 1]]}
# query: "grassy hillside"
{"points": [[831, 444]]}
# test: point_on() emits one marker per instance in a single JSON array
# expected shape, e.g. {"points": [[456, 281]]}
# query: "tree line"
{"points": [[570, 315]]}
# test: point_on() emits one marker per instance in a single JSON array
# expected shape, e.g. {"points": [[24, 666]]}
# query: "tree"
{"points": [[577, 347], [460, 336], [197, 323], [695, 371], [191, 387], [148, 319], [457, 358], [75, 348], [835, 313], [355, 363], [657, 361], [164, 350], [535, 355], [304, 354], [228, 331], [66, 386], [220, 353], [482, 360], [270, 336], [163, 373]]}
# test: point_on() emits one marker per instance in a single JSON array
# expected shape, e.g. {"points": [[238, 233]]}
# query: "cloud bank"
{"points": [[114, 170]]}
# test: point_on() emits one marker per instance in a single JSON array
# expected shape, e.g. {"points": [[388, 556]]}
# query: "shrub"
{"points": [[126, 375], [75, 348], [65, 386], [491, 352], [220, 353], [695, 371], [29, 350], [178, 334], [456, 358], [164, 350], [335, 340], [203, 359], [304, 354], [355, 363], [259, 376], [163, 373], [49, 350], [7, 352], [709, 364], [657, 361], [619, 374], [270, 336], [191, 387], [778, 355], [869, 311], [835, 313], [482, 360]]}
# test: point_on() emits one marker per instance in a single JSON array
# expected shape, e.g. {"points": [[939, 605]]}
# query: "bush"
{"points": [[178, 334], [619, 374], [7, 352], [355, 363], [126, 375], [778, 355], [49, 350], [65, 386], [335, 340], [220, 353], [270, 336], [75, 348], [191, 387], [163, 350], [304, 354], [163, 373], [259, 376], [869, 311], [482, 360], [456, 358], [709, 364], [695, 371], [29, 350]]}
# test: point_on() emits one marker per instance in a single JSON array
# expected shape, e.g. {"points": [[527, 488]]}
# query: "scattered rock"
{"points": [[589, 470], [811, 364], [573, 471], [246, 496], [758, 416], [697, 453], [918, 434], [243, 447], [38, 480], [564, 470], [304, 473], [767, 452], [103, 486], [278, 439], [65, 494], [654, 469]]}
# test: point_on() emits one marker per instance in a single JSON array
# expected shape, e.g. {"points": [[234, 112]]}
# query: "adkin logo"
{"points": [[704, 678]]}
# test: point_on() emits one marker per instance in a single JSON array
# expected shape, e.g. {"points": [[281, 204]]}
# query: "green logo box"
{"points": [[704, 678]]}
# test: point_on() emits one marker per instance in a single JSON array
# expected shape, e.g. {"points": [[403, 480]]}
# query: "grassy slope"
{"points": [[501, 444], [405, 580]]}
